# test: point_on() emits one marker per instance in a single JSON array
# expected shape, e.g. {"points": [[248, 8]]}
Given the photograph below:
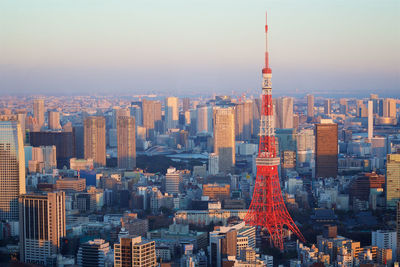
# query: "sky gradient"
{"points": [[186, 47]]}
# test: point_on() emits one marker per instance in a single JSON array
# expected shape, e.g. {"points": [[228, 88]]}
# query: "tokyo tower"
{"points": [[267, 209]]}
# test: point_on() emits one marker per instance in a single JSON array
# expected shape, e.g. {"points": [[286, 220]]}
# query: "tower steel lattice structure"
{"points": [[267, 208]]}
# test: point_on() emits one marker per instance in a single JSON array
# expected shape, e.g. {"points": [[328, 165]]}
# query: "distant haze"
{"points": [[208, 46]]}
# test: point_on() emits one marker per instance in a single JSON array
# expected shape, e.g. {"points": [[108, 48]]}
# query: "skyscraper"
{"points": [[185, 104], [327, 106], [136, 112], [54, 120], [392, 180], [119, 112], [42, 225], [370, 120], [222, 245], [375, 99], [151, 117], [38, 111], [361, 111], [284, 113], [132, 251], [204, 119], [224, 138], [12, 167], [126, 143], [389, 108], [22, 121], [326, 149], [171, 112], [343, 106], [310, 106], [244, 120], [95, 139]]}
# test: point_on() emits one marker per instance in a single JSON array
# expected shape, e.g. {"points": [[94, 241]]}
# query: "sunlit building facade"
{"points": [[12, 167]]}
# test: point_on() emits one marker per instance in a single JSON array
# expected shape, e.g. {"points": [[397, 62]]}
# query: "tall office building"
{"points": [[151, 117], [223, 243], [204, 119], [41, 225], [361, 111], [256, 116], [136, 112], [310, 106], [171, 112], [326, 149], [244, 120], [185, 104], [224, 138], [392, 180], [370, 120], [119, 112], [54, 120], [132, 251], [284, 113], [306, 140], [213, 164], [38, 111], [327, 106], [12, 167], [126, 143], [385, 239], [22, 121], [343, 106], [95, 140], [389, 108], [93, 253], [173, 180]]}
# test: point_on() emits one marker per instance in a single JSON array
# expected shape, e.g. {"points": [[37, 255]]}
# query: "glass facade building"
{"points": [[12, 167]]}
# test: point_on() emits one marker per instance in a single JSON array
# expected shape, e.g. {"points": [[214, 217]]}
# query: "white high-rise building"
{"points": [[306, 140], [213, 164], [12, 167], [385, 239], [204, 119], [284, 113], [173, 180], [370, 120], [172, 112]]}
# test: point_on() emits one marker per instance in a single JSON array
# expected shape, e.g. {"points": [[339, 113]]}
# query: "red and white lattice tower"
{"points": [[267, 209]]}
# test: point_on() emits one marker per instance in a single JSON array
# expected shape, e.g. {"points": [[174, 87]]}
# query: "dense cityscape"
{"points": [[240, 180]]}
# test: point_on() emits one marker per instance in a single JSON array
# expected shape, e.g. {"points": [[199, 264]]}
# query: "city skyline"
{"points": [[207, 166], [326, 48]]}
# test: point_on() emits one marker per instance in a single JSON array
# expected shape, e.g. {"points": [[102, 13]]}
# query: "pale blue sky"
{"points": [[97, 46]]}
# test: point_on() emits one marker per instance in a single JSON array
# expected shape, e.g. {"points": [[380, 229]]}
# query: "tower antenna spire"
{"points": [[266, 69]]}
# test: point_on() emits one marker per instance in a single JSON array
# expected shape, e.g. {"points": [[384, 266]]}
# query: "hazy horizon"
{"points": [[176, 47]]}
